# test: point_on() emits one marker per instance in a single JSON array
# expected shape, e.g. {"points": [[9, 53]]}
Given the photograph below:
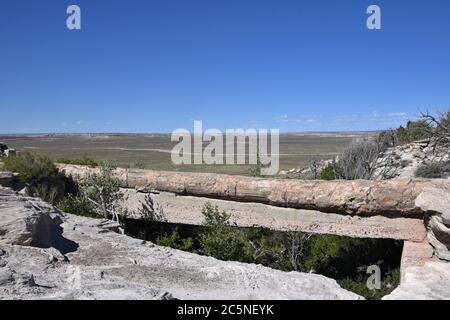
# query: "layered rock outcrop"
{"points": [[436, 202]]}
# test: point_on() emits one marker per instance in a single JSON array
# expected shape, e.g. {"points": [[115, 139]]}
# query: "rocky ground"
{"points": [[405, 158], [47, 255]]}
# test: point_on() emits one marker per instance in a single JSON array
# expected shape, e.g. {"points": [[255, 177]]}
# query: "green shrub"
{"points": [[255, 170], [213, 217], [226, 243], [174, 240], [328, 253], [287, 251], [78, 205], [433, 170], [327, 173], [414, 130], [31, 167], [85, 161], [98, 195], [139, 165], [222, 241], [358, 285], [40, 176]]}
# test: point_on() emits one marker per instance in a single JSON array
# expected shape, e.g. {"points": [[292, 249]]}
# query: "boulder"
{"points": [[29, 222]]}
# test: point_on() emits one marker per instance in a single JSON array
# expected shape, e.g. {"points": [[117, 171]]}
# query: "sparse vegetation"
{"points": [[139, 165], [437, 128], [255, 170], [174, 240], [41, 177], [314, 168], [128, 149], [85, 161], [98, 195], [327, 173], [364, 160], [222, 241], [433, 170], [150, 211], [434, 128], [79, 205], [414, 130]]}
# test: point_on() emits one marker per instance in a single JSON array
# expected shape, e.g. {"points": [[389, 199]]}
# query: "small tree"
{"points": [[213, 217], [221, 240], [364, 160], [438, 128], [103, 192], [314, 167], [41, 177], [255, 170], [327, 173]]}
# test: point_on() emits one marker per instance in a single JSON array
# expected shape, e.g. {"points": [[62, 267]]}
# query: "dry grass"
{"points": [[153, 151]]}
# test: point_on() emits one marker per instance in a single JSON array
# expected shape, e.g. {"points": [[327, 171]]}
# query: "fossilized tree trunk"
{"points": [[390, 198]]}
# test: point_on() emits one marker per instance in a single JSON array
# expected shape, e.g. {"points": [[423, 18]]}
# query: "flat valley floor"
{"points": [[153, 151]]}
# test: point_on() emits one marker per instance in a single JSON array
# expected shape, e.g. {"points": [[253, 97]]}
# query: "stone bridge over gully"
{"points": [[415, 211]]}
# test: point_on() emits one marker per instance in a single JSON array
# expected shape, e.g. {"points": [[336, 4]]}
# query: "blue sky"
{"points": [[154, 66]]}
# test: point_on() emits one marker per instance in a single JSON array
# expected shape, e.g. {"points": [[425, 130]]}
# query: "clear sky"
{"points": [[155, 65]]}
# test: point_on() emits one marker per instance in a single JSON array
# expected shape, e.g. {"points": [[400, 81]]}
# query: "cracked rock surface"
{"points": [[48, 255]]}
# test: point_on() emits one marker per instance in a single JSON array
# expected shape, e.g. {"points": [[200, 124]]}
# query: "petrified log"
{"points": [[391, 198]]}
